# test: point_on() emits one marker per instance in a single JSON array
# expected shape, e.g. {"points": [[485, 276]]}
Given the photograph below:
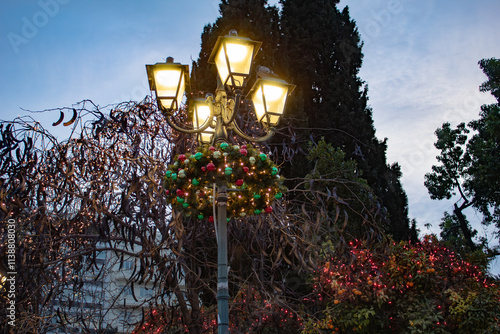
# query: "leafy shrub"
{"points": [[403, 288]]}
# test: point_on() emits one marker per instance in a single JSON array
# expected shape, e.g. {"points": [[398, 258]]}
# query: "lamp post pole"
{"points": [[222, 268], [212, 118]]}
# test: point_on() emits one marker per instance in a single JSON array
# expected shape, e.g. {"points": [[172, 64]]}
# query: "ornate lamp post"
{"points": [[213, 116]]}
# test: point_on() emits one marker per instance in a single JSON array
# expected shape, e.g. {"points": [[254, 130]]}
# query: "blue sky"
{"points": [[420, 64], [421, 69]]}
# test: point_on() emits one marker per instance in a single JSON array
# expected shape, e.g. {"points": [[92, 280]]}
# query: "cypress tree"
{"points": [[321, 50]]}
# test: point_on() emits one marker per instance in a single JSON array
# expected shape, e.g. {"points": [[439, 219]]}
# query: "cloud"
{"points": [[421, 68]]}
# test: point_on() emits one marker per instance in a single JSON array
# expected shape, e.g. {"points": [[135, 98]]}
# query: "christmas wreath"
{"points": [[252, 180]]}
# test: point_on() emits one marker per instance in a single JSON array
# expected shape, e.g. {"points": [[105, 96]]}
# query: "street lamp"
{"points": [[168, 80], [214, 116], [233, 57]]}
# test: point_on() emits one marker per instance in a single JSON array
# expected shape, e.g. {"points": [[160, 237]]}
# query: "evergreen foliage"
{"points": [[354, 202], [484, 148], [321, 51]]}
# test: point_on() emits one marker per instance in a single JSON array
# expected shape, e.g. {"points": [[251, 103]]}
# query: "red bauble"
{"points": [[239, 183], [269, 209], [211, 167], [244, 147], [211, 219], [168, 192], [211, 148], [203, 169], [180, 192], [246, 169], [243, 151], [182, 157]]}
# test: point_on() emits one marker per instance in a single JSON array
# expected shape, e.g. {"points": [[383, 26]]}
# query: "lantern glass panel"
{"points": [[201, 115], [270, 98], [170, 87], [240, 61]]}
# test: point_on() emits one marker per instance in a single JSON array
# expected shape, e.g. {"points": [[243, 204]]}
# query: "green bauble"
{"points": [[256, 196], [278, 195], [262, 157], [228, 170], [200, 216], [274, 171], [180, 199], [257, 211], [198, 155], [185, 205], [174, 176], [195, 182], [168, 174], [224, 146]]}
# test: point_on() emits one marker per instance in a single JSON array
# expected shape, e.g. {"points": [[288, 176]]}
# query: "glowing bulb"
{"points": [[168, 78], [237, 52], [274, 93]]}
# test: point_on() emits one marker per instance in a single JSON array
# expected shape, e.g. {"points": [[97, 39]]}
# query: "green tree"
{"points": [[321, 51], [452, 234], [470, 163], [351, 199], [447, 179], [484, 149]]}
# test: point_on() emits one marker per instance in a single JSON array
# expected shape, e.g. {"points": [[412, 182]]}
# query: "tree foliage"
{"points": [[338, 177], [321, 51], [469, 161], [251, 312]]}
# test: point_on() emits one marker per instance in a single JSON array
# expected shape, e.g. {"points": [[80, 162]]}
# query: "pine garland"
{"points": [[189, 181]]}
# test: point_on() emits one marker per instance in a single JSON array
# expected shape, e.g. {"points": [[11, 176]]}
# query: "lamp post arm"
{"points": [[264, 138], [178, 128]]}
